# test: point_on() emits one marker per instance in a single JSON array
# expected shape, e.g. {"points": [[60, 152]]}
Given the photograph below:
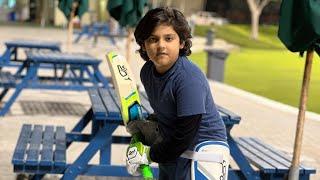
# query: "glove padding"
{"points": [[148, 130], [137, 154], [133, 169]]}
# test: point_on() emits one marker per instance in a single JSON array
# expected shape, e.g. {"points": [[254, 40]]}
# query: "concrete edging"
{"points": [[263, 100]]}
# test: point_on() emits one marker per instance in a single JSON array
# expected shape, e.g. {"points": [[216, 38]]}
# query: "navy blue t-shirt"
{"points": [[182, 91]]}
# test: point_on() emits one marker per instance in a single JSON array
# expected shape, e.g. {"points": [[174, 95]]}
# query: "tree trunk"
{"points": [[130, 38], [256, 7], [70, 26], [255, 25]]}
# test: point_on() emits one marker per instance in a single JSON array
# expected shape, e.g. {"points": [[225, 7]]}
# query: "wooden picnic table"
{"points": [[96, 30], [10, 56], [71, 71], [105, 117]]}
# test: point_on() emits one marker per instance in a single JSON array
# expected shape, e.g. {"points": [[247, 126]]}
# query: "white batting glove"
{"points": [[137, 153], [133, 169]]}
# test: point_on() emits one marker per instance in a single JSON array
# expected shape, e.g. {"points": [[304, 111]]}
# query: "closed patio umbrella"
{"points": [[66, 7], [127, 13], [299, 30], [70, 9]]}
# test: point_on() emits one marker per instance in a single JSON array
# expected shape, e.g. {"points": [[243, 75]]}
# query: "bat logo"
{"points": [[132, 152], [123, 72]]}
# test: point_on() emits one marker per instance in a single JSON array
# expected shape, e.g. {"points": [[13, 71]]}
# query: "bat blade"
{"points": [[125, 86], [127, 92]]}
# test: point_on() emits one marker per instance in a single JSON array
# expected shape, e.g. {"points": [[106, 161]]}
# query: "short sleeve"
{"points": [[190, 97]]}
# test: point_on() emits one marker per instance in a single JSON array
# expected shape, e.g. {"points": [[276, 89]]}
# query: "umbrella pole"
{"points": [[70, 26], [129, 42], [294, 169]]}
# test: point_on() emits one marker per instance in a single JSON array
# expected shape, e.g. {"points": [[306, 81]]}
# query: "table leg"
{"points": [[81, 78], [11, 100], [24, 65], [83, 122], [100, 77], [23, 84], [241, 160], [105, 152], [5, 58], [15, 52], [3, 93], [100, 140]]}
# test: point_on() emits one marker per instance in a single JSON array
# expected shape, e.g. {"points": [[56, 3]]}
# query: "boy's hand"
{"points": [[133, 169], [137, 153]]}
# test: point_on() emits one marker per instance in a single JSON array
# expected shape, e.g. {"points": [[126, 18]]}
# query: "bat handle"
{"points": [[145, 170]]}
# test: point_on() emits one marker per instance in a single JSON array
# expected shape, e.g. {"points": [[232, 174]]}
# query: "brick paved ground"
{"points": [[267, 121]]}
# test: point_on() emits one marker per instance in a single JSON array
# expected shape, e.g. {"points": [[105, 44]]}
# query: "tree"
{"points": [[256, 7]]}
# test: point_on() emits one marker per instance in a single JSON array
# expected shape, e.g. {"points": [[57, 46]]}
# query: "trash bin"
{"points": [[210, 37], [216, 60], [12, 16]]}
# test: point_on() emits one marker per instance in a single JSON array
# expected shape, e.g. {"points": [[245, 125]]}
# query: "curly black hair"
{"points": [[160, 16]]}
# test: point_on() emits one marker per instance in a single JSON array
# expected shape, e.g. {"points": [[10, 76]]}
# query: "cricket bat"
{"points": [[128, 96]]}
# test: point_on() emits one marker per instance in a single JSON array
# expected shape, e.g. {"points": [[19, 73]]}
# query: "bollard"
{"points": [[215, 67], [210, 37]]}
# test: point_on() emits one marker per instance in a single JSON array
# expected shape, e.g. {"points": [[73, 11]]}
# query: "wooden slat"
{"points": [[275, 157], [98, 107], [47, 147], [20, 150], [34, 44], [267, 168], [50, 144], [59, 57], [282, 156], [251, 155], [264, 155], [33, 153], [271, 152], [110, 102], [114, 97], [60, 152]]}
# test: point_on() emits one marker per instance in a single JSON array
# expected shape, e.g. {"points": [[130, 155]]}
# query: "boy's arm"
{"points": [[172, 147]]}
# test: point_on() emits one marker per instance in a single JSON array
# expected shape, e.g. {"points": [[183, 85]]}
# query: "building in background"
{"points": [[46, 12]]}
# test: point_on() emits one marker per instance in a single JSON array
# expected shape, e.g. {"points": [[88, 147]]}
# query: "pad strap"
{"points": [[202, 156]]}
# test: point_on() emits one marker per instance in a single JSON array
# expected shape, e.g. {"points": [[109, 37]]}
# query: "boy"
{"points": [[179, 94]]}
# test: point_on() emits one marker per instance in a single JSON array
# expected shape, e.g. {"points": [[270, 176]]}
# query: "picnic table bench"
{"points": [[70, 72], [271, 163], [105, 117], [10, 56], [40, 149]]}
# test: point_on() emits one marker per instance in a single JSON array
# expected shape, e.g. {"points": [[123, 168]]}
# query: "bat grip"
{"points": [[145, 170]]}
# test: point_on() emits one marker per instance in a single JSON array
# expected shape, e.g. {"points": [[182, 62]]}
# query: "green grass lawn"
{"points": [[272, 72], [239, 35]]}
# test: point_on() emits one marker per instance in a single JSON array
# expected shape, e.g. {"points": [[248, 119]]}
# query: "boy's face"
{"points": [[163, 47]]}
